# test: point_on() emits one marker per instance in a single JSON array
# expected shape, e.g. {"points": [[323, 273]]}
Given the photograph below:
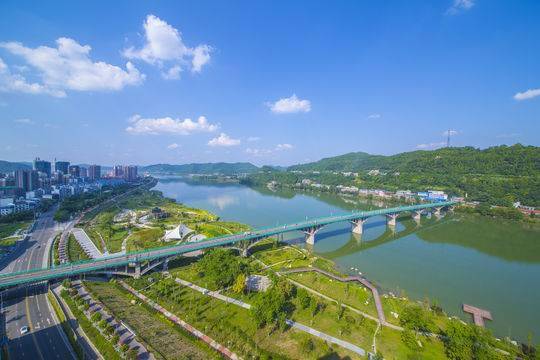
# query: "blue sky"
{"points": [[278, 82]]}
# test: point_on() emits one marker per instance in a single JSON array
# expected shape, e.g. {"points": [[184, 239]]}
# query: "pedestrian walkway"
{"points": [[326, 337], [289, 322], [86, 243], [214, 294], [359, 279], [211, 342]]}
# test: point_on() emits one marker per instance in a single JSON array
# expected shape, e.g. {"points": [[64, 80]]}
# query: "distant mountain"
{"points": [[207, 168], [516, 160], [7, 166]]}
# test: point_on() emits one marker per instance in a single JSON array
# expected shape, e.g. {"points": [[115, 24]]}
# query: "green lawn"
{"points": [[353, 294], [233, 325], [74, 250], [6, 230], [9, 241], [145, 238]]}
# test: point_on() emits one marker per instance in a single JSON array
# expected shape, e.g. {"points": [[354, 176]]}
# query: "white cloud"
{"points": [[460, 5], [173, 73], [280, 147], [253, 138], [374, 116], [224, 140], [172, 146], [431, 145], [450, 133], [164, 44], [140, 125], [24, 121], [201, 56], [290, 105], [68, 66], [526, 95], [10, 82]]}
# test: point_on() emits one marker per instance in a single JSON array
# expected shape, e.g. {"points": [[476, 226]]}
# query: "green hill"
{"points": [[516, 160], [498, 175], [7, 166], [205, 169]]}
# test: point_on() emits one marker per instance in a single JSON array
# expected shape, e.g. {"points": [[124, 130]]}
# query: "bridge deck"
{"points": [[112, 261]]}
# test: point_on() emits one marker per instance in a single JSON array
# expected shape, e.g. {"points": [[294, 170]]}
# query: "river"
{"points": [[491, 264]]}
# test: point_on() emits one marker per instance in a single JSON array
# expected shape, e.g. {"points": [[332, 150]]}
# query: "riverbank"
{"points": [[453, 260]]}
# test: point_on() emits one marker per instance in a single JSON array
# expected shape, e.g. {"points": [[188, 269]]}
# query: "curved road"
{"points": [[45, 340]]}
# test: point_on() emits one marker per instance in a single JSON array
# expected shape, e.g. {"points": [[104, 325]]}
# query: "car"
{"points": [[24, 330]]}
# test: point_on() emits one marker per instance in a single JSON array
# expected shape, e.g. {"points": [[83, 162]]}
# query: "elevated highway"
{"points": [[308, 227]]}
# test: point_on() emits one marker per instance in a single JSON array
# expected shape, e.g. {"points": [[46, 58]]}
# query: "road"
{"points": [[46, 339]]}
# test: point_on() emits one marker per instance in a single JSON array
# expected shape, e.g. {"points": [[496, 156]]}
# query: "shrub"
{"points": [[96, 317]]}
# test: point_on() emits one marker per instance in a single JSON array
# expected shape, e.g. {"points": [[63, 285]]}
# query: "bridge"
{"points": [[151, 257]]}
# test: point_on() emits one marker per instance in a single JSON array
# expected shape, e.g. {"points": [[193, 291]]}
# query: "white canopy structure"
{"points": [[178, 233]]}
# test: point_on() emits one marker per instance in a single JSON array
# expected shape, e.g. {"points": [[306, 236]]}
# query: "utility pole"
{"points": [[448, 139]]}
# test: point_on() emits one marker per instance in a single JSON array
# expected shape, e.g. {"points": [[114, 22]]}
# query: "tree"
{"points": [[303, 298], [415, 317], [239, 284], [273, 306], [464, 341], [221, 267]]}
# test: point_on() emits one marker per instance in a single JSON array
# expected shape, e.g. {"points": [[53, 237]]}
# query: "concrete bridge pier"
{"points": [[451, 208], [437, 212], [358, 226], [310, 234], [391, 219], [137, 274], [417, 215]]}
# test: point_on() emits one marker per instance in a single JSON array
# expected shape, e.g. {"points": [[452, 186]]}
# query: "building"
{"points": [[62, 166], [75, 171], [94, 172], [27, 180], [118, 171], [42, 166], [84, 172], [130, 173]]}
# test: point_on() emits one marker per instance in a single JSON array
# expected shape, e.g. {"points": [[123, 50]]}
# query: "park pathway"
{"points": [[345, 344]]}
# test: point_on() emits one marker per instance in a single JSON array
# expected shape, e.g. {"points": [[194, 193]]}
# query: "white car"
{"points": [[24, 330]]}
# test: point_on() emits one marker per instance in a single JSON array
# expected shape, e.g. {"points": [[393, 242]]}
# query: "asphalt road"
{"points": [[45, 340]]}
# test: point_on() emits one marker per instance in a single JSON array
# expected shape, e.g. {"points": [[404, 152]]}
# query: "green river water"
{"points": [[491, 264]]}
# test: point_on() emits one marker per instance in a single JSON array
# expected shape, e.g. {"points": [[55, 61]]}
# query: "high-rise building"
{"points": [[62, 166], [75, 171], [42, 166], [84, 172], [27, 180], [21, 180], [94, 172], [118, 171], [130, 173]]}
